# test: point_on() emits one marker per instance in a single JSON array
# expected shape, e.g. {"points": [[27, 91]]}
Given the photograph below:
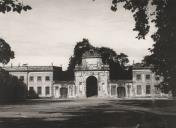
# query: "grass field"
{"points": [[89, 113]]}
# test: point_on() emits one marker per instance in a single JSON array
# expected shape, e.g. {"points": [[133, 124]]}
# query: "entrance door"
{"points": [[91, 86], [121, 92], [63, 92], [57, 92]]}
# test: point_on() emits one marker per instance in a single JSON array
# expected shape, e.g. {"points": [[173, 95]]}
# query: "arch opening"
{"points": [[91, 86]]}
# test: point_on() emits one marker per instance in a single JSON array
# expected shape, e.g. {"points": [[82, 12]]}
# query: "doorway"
{"points": [[91, 86], [121, 92], [63, 92]]}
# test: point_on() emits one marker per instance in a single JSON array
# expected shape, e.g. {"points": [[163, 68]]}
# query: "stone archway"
{"points": [[121, 92], [91, 86]]}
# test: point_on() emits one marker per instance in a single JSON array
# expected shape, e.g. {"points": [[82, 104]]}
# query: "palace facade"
{"points": [[92, 78], [39, 79]]}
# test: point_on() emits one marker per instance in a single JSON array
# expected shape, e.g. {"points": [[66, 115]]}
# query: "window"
{"points": [[147, 77], [80, 83], [138, 77], [47, 90], [39, 90], [22, 78], [47, 78], [31, 78], [139, 90], [39, 78], [148, 89]]}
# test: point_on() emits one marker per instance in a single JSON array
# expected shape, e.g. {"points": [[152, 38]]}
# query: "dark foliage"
{"points": [[32, 94], [117, 62], [162, 14], [7, 6], [139, 9], [13, 5], [5, 52], [67, 75], [79, 49], [11, 88]]}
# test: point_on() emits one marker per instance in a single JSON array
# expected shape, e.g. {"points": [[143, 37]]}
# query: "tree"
{"points": [[79, 49], [123, 60], [6, 6], [118, 68], [5, 52], [107, 54], [117, 63], [162, 14], [11, 89], [13, 5]]}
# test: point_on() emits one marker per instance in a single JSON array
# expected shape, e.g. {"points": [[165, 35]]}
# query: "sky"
{"points": [[48, 33]]}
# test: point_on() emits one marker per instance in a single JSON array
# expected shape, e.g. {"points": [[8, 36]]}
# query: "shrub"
{"points": [[11, 88]]}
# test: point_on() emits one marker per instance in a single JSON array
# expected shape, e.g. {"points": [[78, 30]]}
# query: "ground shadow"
{"points": [[102, 116]]}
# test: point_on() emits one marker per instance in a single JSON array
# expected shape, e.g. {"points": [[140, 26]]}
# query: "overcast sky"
{"points": [[48, 33]]}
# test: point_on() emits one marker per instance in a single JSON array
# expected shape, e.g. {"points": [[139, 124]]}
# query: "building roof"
{"points": [[121, 81], [92, 53], [140, 66], [64, 82], [30, 68]]}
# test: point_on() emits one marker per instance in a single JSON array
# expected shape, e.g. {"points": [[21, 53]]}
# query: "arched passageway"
{"points": [[91, 86]]}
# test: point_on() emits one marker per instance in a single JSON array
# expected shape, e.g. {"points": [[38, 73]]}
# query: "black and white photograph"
{"points": [[87, 64]]}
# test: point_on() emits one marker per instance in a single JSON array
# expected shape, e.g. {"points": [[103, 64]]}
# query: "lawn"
{"points": [[89, 113]]}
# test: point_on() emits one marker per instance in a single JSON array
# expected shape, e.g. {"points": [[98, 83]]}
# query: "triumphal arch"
{"points": [[92, 76]]}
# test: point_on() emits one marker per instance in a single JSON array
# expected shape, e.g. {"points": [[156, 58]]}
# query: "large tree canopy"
{"points": [[162, 14], [5, 52], [6, 6], [10, 87], [13, 5], [79, 49], [117, 62]]}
